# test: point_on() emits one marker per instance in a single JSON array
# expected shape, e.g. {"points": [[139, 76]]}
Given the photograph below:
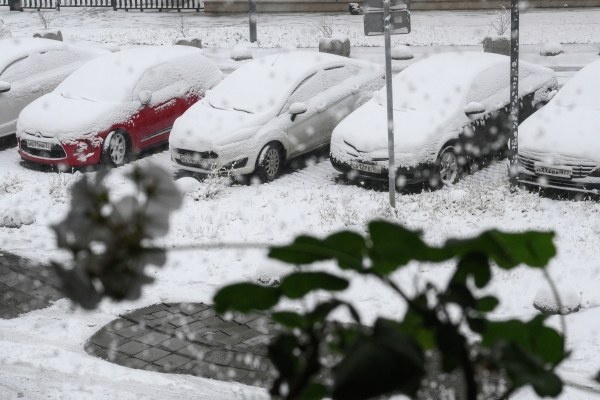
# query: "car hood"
{"points": [[567, 131], [53, 115], [417, 134], [203, 127]]}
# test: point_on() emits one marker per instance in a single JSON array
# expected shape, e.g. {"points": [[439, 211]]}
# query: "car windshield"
{"points": [[95, 84], [582, 90], [256, 87]]}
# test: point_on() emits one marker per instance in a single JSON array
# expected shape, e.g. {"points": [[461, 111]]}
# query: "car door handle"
{"points": [[321, 107]]}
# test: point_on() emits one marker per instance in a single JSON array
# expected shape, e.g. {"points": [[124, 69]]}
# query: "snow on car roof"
{"points": [[444, 80], [581, 90], [16, 48], [267, 81], [114, 76]]}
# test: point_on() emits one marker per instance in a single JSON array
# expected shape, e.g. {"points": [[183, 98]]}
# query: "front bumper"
{"points": [[209, 162], [77, 154], [589, 184], [414, 174]]}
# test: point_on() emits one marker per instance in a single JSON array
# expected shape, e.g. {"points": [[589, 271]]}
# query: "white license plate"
{"points": [[191, 160], [373, 168], [562, 173], [39, 145]]}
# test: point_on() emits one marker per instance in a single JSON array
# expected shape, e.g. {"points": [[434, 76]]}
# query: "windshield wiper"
{"points": [[246, 111]]}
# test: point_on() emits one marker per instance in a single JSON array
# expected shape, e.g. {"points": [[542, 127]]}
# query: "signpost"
{"points": [[513, 151], [388, 17], [252, 19]]}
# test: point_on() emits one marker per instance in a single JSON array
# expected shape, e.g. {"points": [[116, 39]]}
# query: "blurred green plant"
{"points": [[112, 241]]}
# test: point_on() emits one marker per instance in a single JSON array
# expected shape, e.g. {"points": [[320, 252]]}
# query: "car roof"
{"points": [[12, 49]]}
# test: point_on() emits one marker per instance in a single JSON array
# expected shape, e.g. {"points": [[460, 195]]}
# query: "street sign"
{"points": [[388, 17], [399, 21]]}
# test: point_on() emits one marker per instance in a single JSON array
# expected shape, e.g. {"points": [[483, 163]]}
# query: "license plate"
{"points": [[191, 160], [39, 145], [562, 173], [373, 168]]}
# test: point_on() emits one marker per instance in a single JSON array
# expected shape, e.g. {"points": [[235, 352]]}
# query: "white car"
{"points": [[559, 146], [271, 110], [449, 109], [32, 67]]}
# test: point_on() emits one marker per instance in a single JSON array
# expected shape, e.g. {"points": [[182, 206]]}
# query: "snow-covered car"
{"points": [[31, 67], [559, 146], [449, 109], [271, 110], [115, 105]]}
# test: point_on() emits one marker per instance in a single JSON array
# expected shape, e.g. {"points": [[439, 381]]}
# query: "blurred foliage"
{"points": [[112, 241], [390, 358]]}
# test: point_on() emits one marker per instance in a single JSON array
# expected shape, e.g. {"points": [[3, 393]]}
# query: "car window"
{"points": [[490, 86], [38, 63], [316, 84]]}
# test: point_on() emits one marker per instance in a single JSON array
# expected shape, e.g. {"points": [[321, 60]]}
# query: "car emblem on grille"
{"points": [[39, 135]]}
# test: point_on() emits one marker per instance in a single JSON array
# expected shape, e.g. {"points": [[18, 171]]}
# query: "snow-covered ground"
{"points": [[48, 344]]}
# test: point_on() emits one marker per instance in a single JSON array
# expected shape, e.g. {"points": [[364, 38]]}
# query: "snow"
{"points": [[187, 184], [106, 91], [17, 48], [402, 52], [568, 123], [4, 86], [546, 301], [429, 100], [551, 49], [240, 53], [15, 218]]}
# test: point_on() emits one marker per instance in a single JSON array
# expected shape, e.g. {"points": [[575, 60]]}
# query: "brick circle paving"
{"points": [[189, 338]]}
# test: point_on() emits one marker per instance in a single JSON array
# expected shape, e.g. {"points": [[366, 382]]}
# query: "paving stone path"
{"points": [[189, 338], [25, 285]]}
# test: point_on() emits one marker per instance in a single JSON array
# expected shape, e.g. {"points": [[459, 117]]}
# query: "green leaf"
{"points": [[451, 343], [298, 284], [394, 246], [315, 391], [532, 336], [245, 297], [387, 361], [281, 354], [458, 293], [415, 326], [322, 310], [346, 247], [476, 265], [523, 368], [508, 250], [477, 324], [290, 319], [487, 304]]}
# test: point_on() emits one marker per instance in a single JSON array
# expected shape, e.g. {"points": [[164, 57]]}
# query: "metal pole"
{"points": [[252, 19], [513, 155], [390, 104]]}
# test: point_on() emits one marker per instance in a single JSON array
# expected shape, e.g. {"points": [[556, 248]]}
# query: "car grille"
{"points": [[198, 154], [56, 152], [581, 167]]}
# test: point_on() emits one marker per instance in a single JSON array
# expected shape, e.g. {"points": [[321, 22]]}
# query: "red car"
{"points": [[115, 105]]}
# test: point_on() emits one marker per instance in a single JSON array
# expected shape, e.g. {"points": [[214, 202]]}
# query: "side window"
{"points": [[490, 86], [164, 81], [38, 63], [335, 75]]}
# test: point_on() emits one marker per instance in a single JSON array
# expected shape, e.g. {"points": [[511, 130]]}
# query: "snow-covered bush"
{"points": [[59, 186], [15, 218], [180, 27], [501, 23], [4, 31], [402, 52], [240, 53], [550, 49], [546, 302], [11, 183], [212, 187]]}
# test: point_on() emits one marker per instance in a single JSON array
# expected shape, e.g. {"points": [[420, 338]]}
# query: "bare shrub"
{"points": [[11, 184], [180, 26], [46, 18], [325, 26], [501, 24], [59, 186]]}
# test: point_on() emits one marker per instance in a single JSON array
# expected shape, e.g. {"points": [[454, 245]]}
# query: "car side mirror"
{"points": [[145, 97], [4, 86], [474, 108], [297, 108], [551, 94]]}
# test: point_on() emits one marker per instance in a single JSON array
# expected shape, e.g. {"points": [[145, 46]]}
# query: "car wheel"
{"points": [[270, 162], [115, 149], [448, 167]]}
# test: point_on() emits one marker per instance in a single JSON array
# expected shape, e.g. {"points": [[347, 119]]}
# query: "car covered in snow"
{"points": [[115, 105], [31, 67], [271, 110], [449, 110], [559, 146]]}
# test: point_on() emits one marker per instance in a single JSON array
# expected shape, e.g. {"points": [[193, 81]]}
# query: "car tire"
{"points": [[116, 149], [448, 167], [270, 162]]}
